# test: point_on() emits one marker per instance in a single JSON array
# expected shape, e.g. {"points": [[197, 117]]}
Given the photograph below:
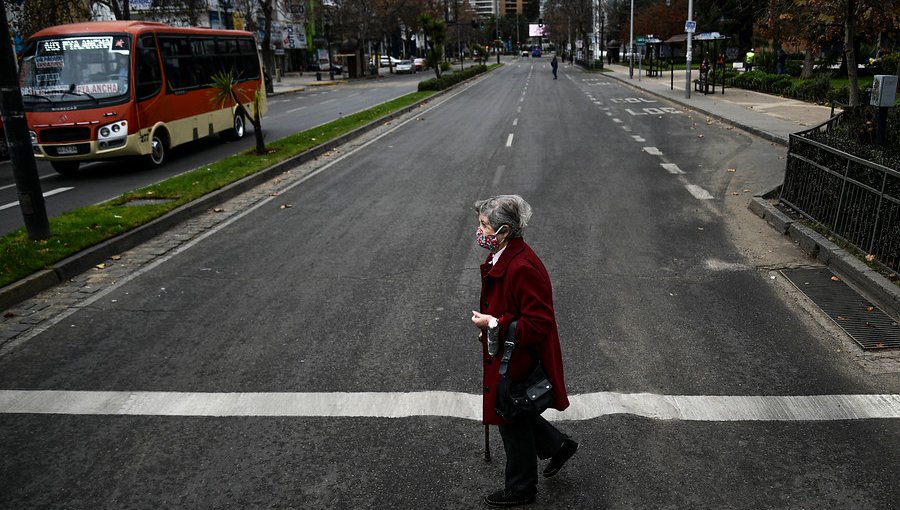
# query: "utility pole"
{"points": [[21, 155]]}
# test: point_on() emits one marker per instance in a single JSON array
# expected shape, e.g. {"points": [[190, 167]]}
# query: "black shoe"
{"points": [[507, 498], [568, 449]]}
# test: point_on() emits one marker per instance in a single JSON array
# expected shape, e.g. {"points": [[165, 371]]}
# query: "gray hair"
{"points": [[511, 210]]}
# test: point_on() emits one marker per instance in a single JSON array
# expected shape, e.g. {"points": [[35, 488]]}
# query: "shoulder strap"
{"points": [[508, 347]]}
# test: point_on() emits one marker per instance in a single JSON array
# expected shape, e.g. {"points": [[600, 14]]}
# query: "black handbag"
{"points": [[527, 397]]}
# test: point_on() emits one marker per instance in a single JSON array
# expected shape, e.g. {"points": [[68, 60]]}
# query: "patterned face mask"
{"points": [[488, 241]]}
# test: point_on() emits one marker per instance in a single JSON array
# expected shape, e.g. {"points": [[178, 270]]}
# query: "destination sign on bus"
{"points": [[77, 44]]}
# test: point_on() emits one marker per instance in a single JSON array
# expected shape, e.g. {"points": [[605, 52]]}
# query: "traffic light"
{"points": [[540, 22]]}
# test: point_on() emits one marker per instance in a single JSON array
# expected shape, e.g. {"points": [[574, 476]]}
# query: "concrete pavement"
{"points": [[773, 118]]}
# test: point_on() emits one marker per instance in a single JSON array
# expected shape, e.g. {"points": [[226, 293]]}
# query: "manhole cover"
{"points": [[866, 324]]}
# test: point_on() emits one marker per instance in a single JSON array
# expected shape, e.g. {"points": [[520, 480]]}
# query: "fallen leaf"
{"points": [[735, 193], [9, 315], [835, 279], [747, 191], [116, 257], [100, 266], [699, 136], [880, 345], [841, 318], [732, 170], [286, 206], [870, 257], [870, 309], [218, 209]]}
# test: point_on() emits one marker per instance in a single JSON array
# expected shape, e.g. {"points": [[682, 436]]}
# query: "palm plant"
{"points": [[226, 93]]}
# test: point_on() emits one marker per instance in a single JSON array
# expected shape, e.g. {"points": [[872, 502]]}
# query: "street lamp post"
{"points": [[631, 45], [690, 39]]}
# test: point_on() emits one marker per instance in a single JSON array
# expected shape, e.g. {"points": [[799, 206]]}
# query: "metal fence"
{"points": [[854, 199]]}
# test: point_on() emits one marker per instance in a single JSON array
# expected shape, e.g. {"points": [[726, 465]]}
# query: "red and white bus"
{"points": [[110, 89]]}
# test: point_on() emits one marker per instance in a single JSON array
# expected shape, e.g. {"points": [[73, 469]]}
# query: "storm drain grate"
{"points": [[866, 324]]}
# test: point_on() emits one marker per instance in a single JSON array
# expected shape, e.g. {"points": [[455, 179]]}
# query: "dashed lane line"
{"points": [[653, 151], [509, 140], [47, 194], [698, 192], [672, 168], [712, 408]]}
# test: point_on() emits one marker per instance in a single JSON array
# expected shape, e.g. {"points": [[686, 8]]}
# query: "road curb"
{"points": [[772, 137], [870, 283], [31, 285]]}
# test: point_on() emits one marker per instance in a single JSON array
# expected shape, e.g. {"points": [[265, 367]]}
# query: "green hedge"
{"points": [[451, 79]]}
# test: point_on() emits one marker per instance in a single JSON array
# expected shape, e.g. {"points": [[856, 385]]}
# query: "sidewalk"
{"points": [[773, 118]]}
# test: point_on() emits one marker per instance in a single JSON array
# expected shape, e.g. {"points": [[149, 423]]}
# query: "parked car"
{"points": [[420, 63], [326, 67], [405, 66], [536, 52], [387, 60], [525, 53]]}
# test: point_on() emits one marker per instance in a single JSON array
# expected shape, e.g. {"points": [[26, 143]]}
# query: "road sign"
{"points": [[641, 40], [690, 26]]}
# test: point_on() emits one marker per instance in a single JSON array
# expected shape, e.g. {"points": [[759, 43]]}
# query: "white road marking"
{"points": [[509, 140], [698, 192], [672, 168], [519, 110], [47, 194], [295, 109], [638, 138], [498, 174], [653, 151], [515, 122], [617, 121], [448, 404], [721, 265], [328, 101], [626, 128]]}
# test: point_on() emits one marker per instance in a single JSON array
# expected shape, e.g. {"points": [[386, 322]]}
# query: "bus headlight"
{"points": [[112, 135]]}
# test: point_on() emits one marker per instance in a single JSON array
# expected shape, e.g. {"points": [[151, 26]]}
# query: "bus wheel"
{"points": [[158, 147], [65, 168], [238, 130]]}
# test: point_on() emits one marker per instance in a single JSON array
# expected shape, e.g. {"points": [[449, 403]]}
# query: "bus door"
{"points": [[149, 81]]}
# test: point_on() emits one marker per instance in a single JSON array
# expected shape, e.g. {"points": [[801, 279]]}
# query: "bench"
{"points": [[704, 85]]}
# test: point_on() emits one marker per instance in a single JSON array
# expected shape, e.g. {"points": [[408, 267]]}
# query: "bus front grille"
{"points": [[65, 134]]}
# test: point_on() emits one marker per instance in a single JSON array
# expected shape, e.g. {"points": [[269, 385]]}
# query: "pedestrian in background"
{"points": [[748, 60], [554, 64], [782, 60], [516, 287]]}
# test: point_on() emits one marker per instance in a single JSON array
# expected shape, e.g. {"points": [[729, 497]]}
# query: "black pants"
{"points": [[524, 441]]}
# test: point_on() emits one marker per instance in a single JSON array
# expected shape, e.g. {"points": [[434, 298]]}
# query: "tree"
{"points": [[226, 93], [30, 16], [435, 32]]}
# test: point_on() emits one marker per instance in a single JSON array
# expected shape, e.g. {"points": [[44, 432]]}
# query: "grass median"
{"points": [[82, 228]]}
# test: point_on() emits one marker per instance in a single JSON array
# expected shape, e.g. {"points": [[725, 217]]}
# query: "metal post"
{"points": [[21, 155], [631, 44], [487, 443], [690, 40]]}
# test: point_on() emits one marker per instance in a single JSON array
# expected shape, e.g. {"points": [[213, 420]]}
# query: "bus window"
{"points": [[149, 81]]}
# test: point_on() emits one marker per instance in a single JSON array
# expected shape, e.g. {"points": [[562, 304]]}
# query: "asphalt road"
{"points": [[288, 114], [365, 285]]}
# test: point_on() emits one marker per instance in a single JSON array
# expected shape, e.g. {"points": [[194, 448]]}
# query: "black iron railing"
{"points": [[854, 199]]}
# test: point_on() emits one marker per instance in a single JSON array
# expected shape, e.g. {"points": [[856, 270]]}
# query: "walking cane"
{"points": [[487, 443]]}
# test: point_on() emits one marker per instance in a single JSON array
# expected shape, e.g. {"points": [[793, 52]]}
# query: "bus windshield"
{"points": [[93, 68]]}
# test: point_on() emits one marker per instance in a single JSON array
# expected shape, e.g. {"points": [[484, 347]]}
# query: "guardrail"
{"points": [[854, 199]]}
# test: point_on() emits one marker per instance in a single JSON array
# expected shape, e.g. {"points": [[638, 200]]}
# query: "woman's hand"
{"points": [[481, 320]]}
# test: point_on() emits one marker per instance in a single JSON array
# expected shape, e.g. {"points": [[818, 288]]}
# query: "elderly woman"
{"points": [[516, 287]]}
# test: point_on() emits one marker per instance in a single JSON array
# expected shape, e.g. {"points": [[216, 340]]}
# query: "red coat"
{"points": [[518, 288]]}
